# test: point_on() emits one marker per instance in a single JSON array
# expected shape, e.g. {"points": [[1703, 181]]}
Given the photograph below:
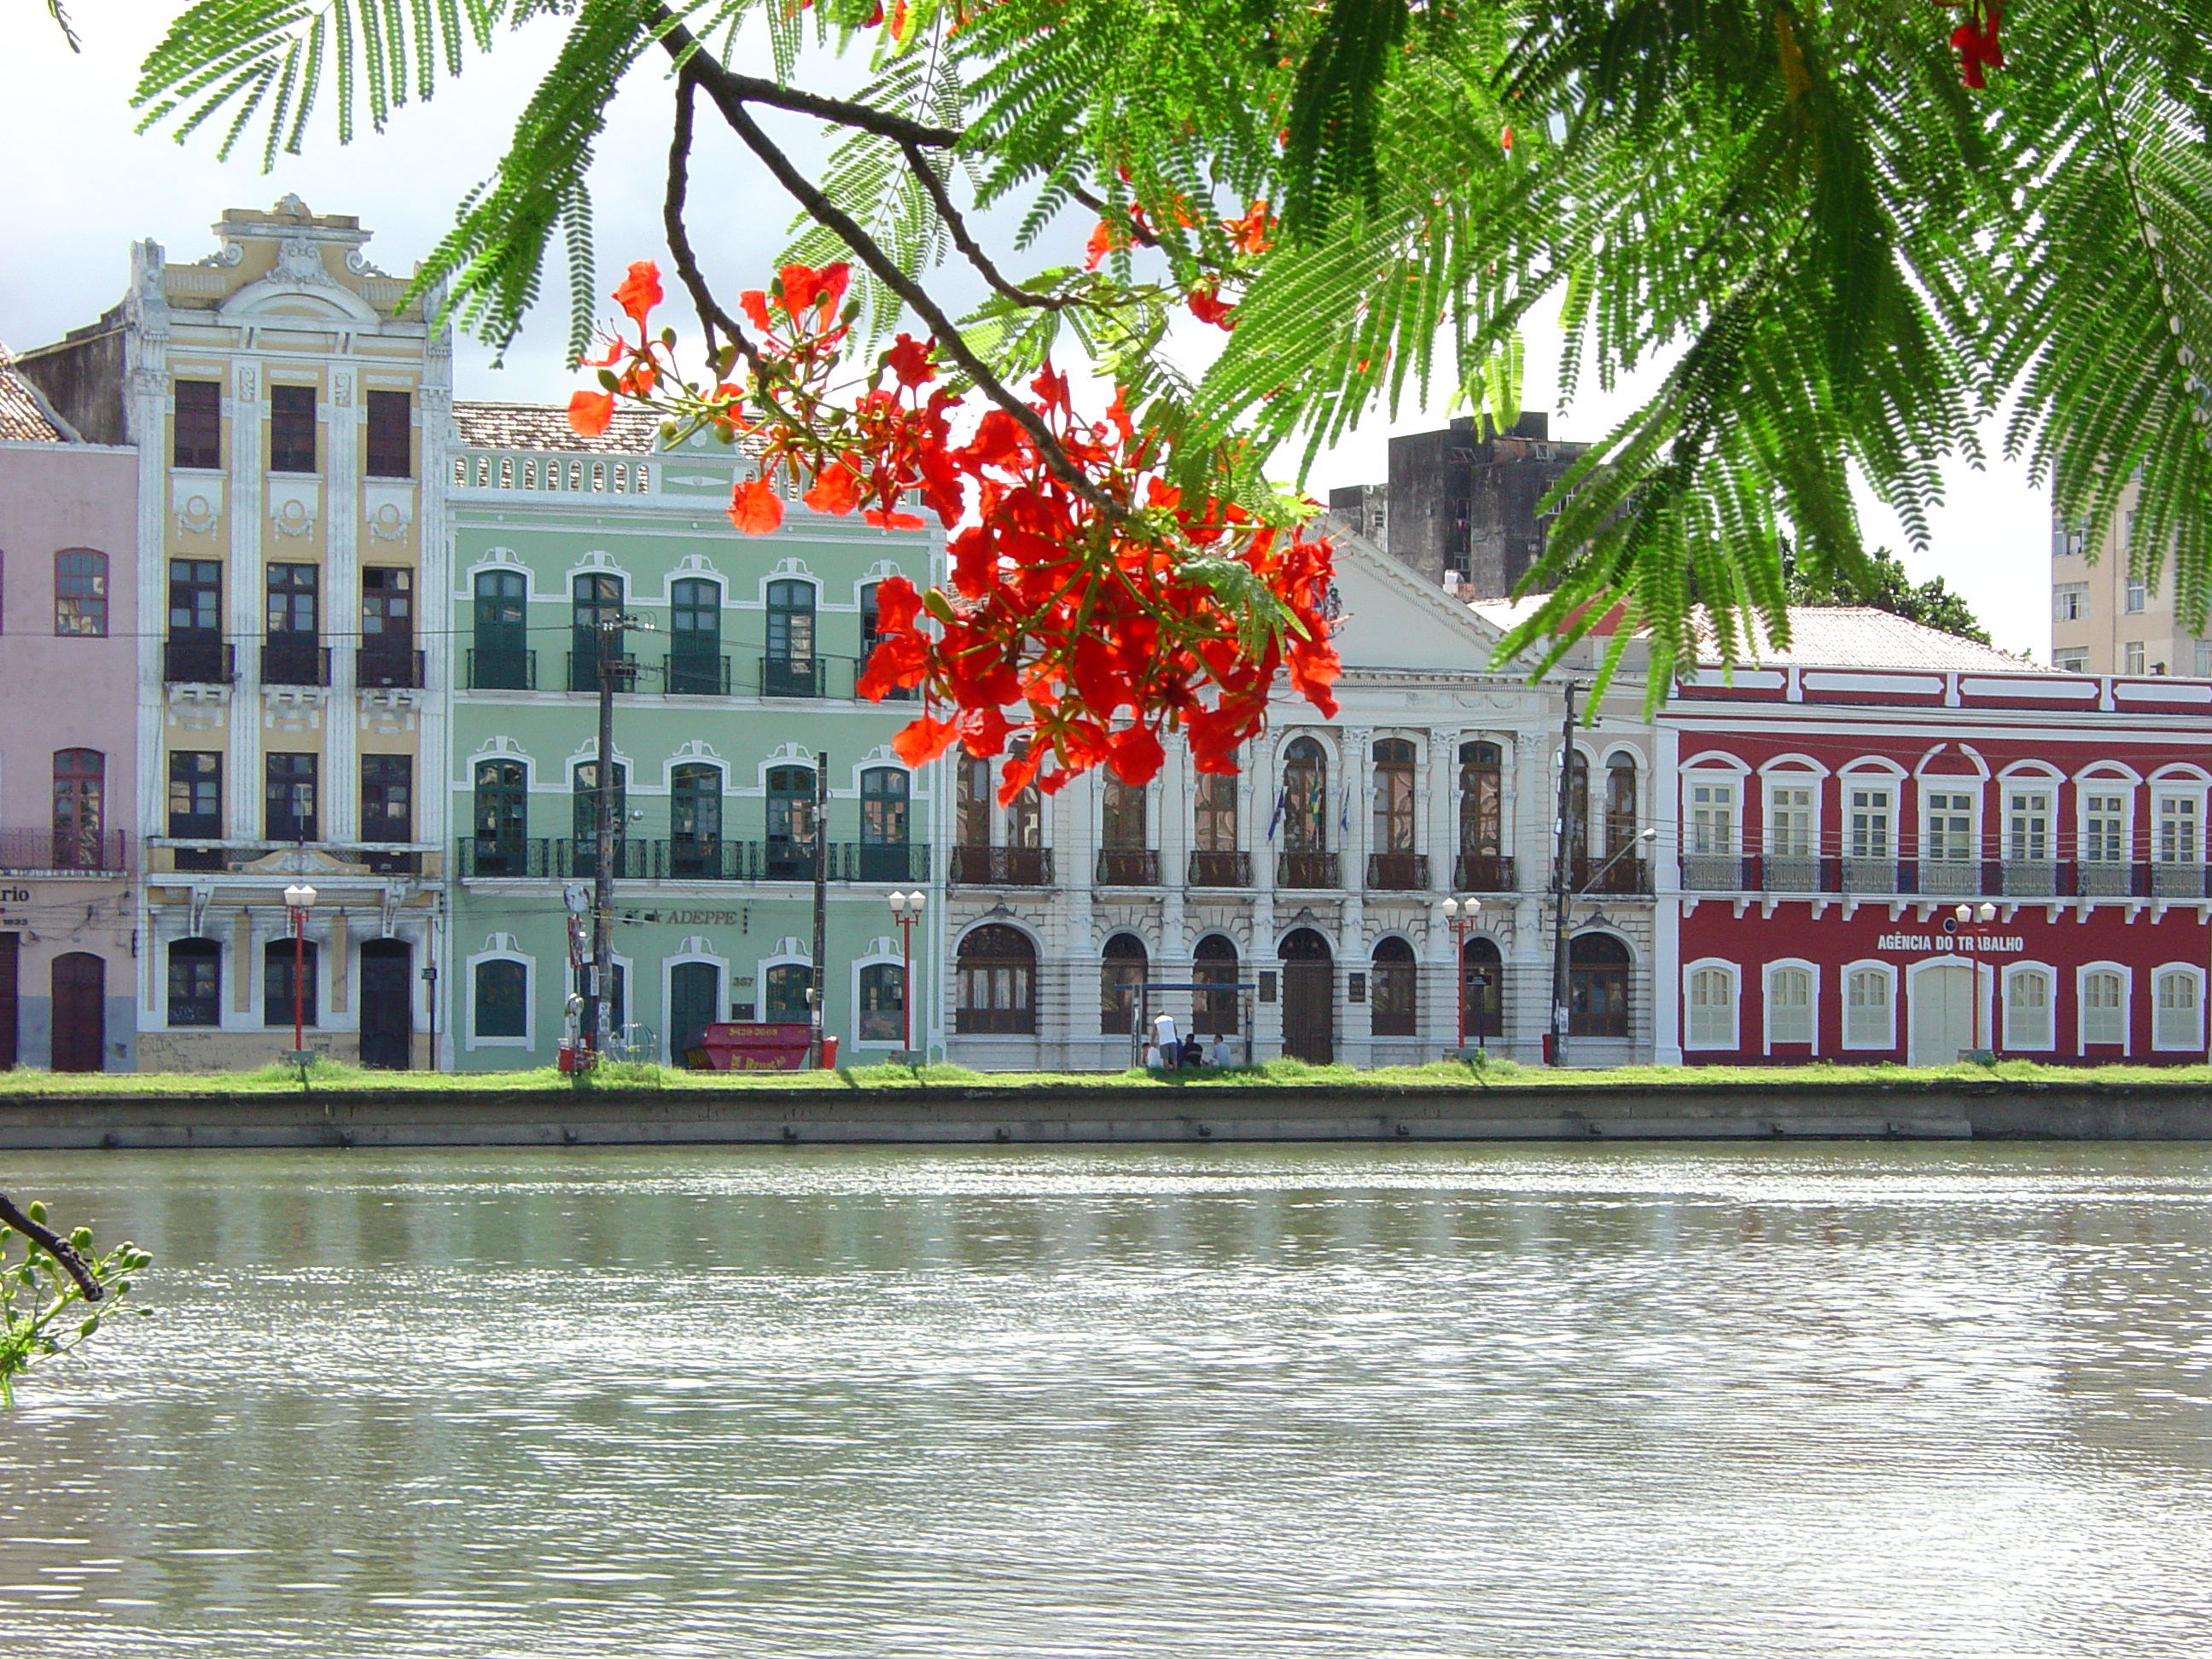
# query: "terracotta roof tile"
{"points": [[23, 418], [545, 427]]}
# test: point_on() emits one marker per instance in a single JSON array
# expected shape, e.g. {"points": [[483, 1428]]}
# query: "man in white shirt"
{"points": [[1163, 1038]]}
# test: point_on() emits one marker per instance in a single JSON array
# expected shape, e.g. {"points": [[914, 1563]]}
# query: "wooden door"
{"points": [[694, 991], [1308, 998], [10, 946], [1942, 1014], [387, 1012], [80, 1012]]}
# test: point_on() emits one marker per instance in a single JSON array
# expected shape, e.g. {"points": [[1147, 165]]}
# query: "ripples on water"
{"points": [[1889, 1401]]}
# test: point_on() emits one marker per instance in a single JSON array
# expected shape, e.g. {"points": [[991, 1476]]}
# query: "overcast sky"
{"points": [[80, 186]]}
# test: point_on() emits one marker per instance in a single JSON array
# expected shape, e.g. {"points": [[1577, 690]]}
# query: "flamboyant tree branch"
{"points": [[731, 94], [712, 318], [957, 226], [55, 1246]]}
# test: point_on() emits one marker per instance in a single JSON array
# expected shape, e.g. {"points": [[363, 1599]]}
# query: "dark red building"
{"points": [[1839, 803]]}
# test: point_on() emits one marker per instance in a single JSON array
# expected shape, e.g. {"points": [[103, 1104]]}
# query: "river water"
{"points": [[1890, 1401]]}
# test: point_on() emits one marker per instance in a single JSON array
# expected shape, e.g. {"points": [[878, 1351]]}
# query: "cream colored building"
{"points": [[287, 410], [2107, 620]]}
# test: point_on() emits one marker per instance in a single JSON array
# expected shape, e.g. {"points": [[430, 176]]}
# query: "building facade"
{"points": [[68, 612], [1315, 877], [736, 689], [2106, 619], [286, 409], [1840, 803]]}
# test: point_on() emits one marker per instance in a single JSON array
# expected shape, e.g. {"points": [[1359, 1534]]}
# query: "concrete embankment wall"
{"points": [[1735, 1111]]}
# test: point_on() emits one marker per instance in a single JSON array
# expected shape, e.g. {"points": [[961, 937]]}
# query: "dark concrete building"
{"points": [[1464, 500]]}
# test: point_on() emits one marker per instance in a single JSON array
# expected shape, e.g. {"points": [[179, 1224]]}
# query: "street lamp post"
{"points": [[299, 899], [1567, 892], [1966, 916], [1460, 916], [906, 910]]}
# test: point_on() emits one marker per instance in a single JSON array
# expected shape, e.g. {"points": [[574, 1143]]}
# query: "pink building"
{"points": [[68, 685]]}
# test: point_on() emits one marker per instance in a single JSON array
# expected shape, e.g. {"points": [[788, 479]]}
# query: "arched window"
{"points": [[2104, 1008], [596, 602], [791, 823], [997, 968], [1394, 796], [1869, 1019], [884, 826], [1305, 801], [278, 968], [695, 821], [791, 668], [1481, 820], [696, 667], [1120, 973], [1619, 806], [1214, 1013], [195, 982], [2027, 1008], [786, 985], [2178, 1024], [1579, 836], [883, 1002], [80, 789], [1025, 813], [1712, 1021], [1789, 1005], [80, 593], [1126, 858], [971, 798], [1597, 985], [501, 818], [1393, 995], [502, 998], [499, 658], [1485, 986], [585, 794]]}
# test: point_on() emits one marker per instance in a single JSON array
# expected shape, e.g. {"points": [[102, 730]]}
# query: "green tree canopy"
{"points": [[1845, 260]]}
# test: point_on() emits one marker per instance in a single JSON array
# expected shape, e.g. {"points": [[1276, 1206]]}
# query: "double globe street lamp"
{"points": [[1461, 915], [299, 899], [906, 910], [1965, 915]]}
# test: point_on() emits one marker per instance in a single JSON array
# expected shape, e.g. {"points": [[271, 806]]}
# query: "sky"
{"points": [[82, 187]]}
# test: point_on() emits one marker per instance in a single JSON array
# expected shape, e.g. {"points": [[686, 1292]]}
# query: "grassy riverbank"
{"points": [[1276, 1073]]}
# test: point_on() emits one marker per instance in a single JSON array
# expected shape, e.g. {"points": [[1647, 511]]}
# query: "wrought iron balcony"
{"points": [[1220, 870], [687, 858], [190, 660], [1128, 867], [1618, 877], [1002, 866], [2172, 880], [584, 671], [380, 668], [696, 674], [1309, 871], [1712, 872], [68, 849], [501, 671], [1483, 872], [1398, 872], [793, 677], [295, 660]]}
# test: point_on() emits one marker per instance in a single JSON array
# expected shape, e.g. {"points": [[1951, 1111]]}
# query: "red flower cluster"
{"points": [[1975, 41], [1075, 635]]}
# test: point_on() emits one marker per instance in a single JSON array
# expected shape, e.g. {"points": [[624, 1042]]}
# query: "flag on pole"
{"points": [[1282, 804]]}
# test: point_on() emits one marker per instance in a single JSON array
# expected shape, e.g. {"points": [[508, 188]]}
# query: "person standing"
{"points": [[1163, 1038]]}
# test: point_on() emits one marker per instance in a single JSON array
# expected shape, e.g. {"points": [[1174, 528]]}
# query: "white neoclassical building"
{"points": [[1315, 877]]}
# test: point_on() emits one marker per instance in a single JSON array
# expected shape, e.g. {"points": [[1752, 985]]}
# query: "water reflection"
{"points": [[1895, 1400]]}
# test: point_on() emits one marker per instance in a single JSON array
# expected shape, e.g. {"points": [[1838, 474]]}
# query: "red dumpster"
{"points": [[732, 1047]]}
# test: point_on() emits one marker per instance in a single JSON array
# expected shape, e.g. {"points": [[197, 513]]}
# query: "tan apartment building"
{"points": [[2105, 619], [287, 410]]}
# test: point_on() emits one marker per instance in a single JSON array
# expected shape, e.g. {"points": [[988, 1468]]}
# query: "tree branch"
{"points": [[1098, 206], [712, 318], [941, 199], [730, 97], [684, 47], [55, 1246]]}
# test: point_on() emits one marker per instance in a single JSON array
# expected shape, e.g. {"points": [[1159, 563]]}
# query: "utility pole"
{"points": [[819, 977], [599, 989], [1563, 883]]}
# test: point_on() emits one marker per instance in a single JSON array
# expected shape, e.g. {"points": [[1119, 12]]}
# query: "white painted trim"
{"points": [[1782, 964], [2189, 970], [500, 947], [2011, 971], [1690, 970], [2082, 1006], [1889, 978]]}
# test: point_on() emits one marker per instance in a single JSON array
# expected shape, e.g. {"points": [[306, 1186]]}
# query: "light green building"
{"points": [[743, 686]]}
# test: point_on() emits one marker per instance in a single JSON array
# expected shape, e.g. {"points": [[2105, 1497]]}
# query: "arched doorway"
{"points": [[80, 1012], [1120, 973], [1597, 985], [1485, 987], [387, 1004], [1308, 997], [695, 995]]}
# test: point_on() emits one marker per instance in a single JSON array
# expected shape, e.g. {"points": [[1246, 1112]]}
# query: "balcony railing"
{"points": [[2172, 880], [1128, 867], [1002, 866], [386, 668], [1308, 871], [295, 660], [1611, 876], [1398, 872], [1220, 870], [1942, 881], [194, 661], [687, 858], [1483, 872], [793, 677], [71, 851], [501, 671], [584, 671], [696, 674]]}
